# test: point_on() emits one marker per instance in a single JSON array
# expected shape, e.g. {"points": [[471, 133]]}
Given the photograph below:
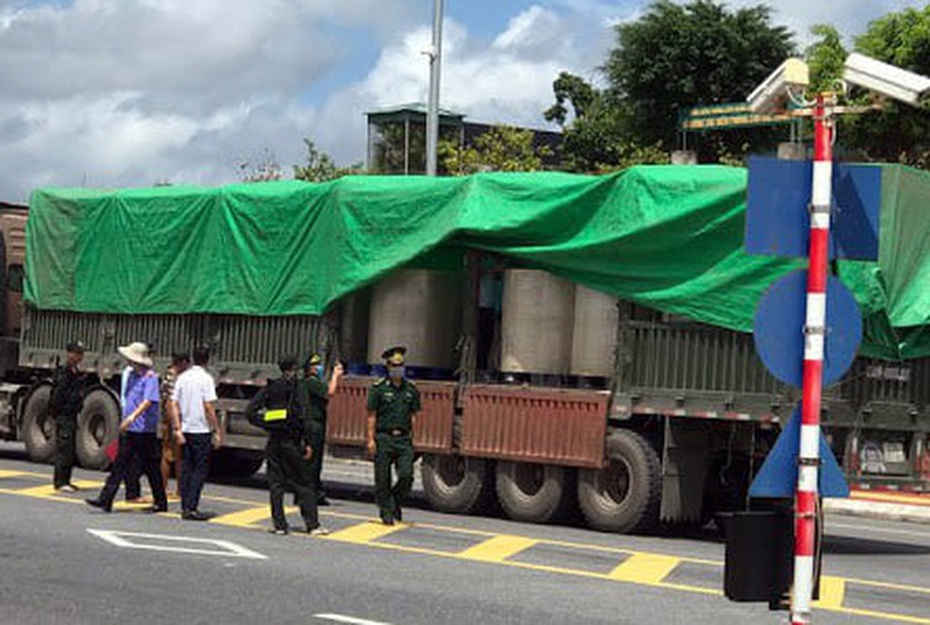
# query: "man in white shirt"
{"points": [[193, 411]]}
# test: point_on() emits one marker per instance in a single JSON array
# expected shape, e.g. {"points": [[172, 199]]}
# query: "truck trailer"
{"points": [[579, 342]]}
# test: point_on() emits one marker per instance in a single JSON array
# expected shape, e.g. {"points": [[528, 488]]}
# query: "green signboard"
{"points": [[722, 116]]}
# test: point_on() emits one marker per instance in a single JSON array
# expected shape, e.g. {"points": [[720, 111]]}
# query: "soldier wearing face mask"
{"points": [[393, 404], [314, 392]]}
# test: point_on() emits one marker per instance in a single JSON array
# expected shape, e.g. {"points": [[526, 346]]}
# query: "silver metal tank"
{"points": [[421, 310], [536, 329], [594, 337]]}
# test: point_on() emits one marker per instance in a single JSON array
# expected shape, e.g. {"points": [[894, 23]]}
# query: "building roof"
{"points": [[417, 108]]}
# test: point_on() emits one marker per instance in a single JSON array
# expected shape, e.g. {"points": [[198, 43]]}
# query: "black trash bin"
{"points": [[759, 563], [758, 555]]}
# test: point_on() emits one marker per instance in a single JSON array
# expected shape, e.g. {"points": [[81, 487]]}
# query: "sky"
{"points": [[128, 93]]}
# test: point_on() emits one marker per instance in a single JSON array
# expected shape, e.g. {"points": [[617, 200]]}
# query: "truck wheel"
{"points": [[97, 426], [534, 493], [624, 496], [39, 426], [455, 483]]}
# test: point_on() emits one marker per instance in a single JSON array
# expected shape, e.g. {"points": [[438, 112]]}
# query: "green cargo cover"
{"points": [[668, 237]]}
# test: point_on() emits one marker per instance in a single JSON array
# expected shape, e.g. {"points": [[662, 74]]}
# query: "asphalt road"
{"points": [[62, 562]]}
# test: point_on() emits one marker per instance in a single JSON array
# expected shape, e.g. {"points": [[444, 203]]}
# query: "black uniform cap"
{"points": [[394, 355], [76, 347]]}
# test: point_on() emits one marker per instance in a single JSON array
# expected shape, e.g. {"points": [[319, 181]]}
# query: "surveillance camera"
{"points": [[770, 96], [888, 80]]}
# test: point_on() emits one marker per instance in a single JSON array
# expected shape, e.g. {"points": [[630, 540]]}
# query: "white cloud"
{"points": [[127, 92], [509, 81]]}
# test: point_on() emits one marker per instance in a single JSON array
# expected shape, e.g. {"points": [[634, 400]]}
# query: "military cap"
{"points": [[76, 347], [394, 355], [314, 359]]}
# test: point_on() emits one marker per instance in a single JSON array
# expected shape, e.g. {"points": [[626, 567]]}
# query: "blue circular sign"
{"points": [[779, 330]]}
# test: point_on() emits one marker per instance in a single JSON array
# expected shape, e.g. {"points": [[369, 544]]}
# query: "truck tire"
{"points": [[38, 425], [624, 496], [97, 426], [533, 493], [456, 484]]}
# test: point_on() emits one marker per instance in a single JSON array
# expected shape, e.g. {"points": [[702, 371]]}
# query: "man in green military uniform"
{"points": [[65, 403], [393, 404], [314, 395]]}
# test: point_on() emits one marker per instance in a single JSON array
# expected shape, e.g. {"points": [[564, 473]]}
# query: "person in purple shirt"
{"points": [[138, 440]]}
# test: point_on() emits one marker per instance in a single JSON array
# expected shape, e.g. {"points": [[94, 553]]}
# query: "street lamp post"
{"points": [[432, 118]]}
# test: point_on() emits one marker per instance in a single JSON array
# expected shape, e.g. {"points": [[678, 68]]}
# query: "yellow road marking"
{"points": [[891, 497], [365, 533], [20, 492], [890, 586], [645, 568], [832, 592], [639, 568], [46, 490], [244, 518], [497, 549]]}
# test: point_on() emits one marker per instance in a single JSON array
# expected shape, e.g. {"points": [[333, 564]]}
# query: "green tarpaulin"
{"points": [[667, 237]]}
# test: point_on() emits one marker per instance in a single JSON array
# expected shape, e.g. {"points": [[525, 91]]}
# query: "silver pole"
{"points": [[432, 120]]}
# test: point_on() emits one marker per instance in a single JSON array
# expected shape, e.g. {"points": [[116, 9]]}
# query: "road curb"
{"points": [[878, 510]]}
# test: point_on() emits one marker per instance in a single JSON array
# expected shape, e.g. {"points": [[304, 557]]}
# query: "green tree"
{"points": [[898, 133], [320, 167], [595, 129], [677, 56], [825, 57], [502, 148]]}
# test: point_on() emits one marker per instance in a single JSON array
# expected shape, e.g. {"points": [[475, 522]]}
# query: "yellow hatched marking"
{"points": [[832, 592], [7, 473], [497, 549], [645, 568], [244, 518], [364, 533], [39, 491]]}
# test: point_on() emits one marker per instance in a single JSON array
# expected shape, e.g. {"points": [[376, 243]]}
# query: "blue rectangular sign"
{"points": [[777, 217]]}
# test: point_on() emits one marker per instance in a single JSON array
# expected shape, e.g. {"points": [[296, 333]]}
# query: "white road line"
{"points": [[339, 618], [878, 530], [224, 547]]}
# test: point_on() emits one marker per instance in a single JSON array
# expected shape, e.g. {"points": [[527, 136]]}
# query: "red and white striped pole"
{"points": [[814, 338]]}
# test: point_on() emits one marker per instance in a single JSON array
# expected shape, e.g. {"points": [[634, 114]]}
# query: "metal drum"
{"points": [[536, 331], [594, 337], [421, 310]]}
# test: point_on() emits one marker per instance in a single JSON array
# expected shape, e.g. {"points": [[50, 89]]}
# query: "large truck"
{"points": [[540, 394]]}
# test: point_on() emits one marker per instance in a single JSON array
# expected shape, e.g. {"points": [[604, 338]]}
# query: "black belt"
{"points": [[395, 432]]}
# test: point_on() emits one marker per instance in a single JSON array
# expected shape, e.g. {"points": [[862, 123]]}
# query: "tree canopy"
{"points": [[674, 57], [502, 148], [899, 133]]}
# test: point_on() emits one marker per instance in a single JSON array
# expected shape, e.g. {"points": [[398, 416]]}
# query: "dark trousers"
{"points": [[65, 429], [195, 463], [397, 452], [141, 448], [133, 479], [316, 463], [288, 470]]}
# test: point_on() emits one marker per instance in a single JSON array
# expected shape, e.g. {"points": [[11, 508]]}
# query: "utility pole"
{"points": [[432, 118]]}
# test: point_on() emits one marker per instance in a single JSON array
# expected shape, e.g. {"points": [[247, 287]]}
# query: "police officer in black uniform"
{"points": [[277, 410], [65, 403]]}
